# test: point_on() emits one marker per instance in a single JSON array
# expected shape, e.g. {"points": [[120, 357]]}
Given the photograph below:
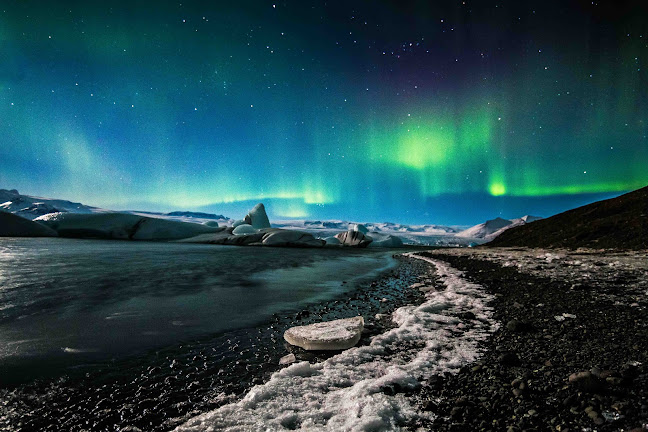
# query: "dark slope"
{"points": [[12, 225], [617, 223]]}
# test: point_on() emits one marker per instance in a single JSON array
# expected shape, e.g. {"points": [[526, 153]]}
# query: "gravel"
{"points": [[585, 371]]}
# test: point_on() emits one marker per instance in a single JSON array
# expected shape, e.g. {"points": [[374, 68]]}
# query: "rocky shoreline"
{"points": [[571, 353]]}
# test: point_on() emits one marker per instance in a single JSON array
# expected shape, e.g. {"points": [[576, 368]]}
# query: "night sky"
{"points": [[409, 111]]}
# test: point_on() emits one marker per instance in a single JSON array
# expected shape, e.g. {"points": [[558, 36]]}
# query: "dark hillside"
{"points": [[617, 223]]}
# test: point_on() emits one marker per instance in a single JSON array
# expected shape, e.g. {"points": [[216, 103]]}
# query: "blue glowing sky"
{"points": [[448, 112]]}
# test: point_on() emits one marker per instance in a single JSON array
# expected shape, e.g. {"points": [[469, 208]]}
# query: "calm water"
{"points": [[64, 303]]}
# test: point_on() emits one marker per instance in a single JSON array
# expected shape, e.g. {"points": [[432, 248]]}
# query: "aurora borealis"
{"points": [[410, 111]]}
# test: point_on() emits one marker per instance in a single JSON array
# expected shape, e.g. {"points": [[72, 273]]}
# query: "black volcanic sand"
{"points": [[522, 381], [158, 391]]}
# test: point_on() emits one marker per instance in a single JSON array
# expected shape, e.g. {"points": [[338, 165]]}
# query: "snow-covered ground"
{"points": [[354, 390]]}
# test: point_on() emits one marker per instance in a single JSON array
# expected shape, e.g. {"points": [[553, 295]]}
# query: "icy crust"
{"points": [[362, 388]]}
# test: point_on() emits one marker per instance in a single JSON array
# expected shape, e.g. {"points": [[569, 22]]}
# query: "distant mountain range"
{"points": [[617, 223], [31, 207]]}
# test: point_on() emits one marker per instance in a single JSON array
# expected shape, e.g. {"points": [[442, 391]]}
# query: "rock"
{"points": [[16, 226], [257, 217], [353, 238], [330, 335], [467, 315], [513, 325], [290, 238], [287, 359], [508, 359], [586, 381], [243, 229]]}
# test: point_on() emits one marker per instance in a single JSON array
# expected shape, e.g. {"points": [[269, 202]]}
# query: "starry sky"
{"points": [[409, 111]]}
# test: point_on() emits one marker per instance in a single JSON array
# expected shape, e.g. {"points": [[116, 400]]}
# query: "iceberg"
{"points": [[257, 217], [279, 237], [330, 335], [353, 238], [121, 226], [243, 229]]}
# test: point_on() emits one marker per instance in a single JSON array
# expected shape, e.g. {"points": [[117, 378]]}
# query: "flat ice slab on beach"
{"points": [[330, 335]]}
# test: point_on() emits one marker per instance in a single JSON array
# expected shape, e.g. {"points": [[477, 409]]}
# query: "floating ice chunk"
{"points": [[330, 335], [244, 229], [287, 359], [238, 222]]}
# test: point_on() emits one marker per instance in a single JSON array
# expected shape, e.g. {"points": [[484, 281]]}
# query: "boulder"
{"points": [[237, 223], [16, 226], [326, 336], [257, 217], [244, 229], [353, 238]]}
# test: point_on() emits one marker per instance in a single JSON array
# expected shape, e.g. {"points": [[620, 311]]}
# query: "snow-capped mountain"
{"points": [[494, 227], [31, 207]]}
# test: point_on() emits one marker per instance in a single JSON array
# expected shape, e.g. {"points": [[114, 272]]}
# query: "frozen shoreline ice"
{"points": [[347, 391]]}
